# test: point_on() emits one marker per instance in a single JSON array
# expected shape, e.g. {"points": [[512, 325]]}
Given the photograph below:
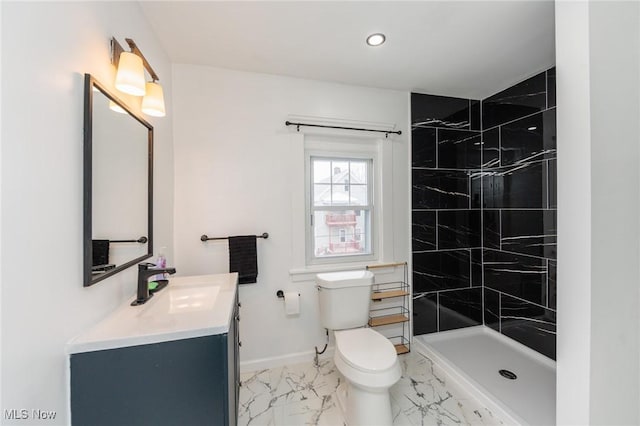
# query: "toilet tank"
{"points": [[344, 298]]}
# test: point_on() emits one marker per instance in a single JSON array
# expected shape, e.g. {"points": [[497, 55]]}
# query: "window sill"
{"points": [[308, 273]]}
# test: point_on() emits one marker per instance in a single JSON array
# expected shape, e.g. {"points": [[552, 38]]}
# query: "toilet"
{"points": [[367, 360]]}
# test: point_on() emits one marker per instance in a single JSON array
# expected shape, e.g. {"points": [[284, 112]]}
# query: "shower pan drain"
{"points": [[508, 374]]}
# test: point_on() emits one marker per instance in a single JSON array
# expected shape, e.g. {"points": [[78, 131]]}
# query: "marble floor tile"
{"points": [[304, 382], [304, 394], [320, 411]]}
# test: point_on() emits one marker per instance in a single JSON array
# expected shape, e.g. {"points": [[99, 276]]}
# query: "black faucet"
{"points": [[143, 281]]}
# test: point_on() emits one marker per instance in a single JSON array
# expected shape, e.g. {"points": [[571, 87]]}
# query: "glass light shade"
{"points": [[153, 101], [117, 108], [130, 75]]}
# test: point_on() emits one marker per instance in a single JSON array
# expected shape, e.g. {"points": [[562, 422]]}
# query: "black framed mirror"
{"points": [[118, 185]]}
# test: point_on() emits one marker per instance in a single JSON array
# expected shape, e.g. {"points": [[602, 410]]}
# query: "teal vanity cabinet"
{"points": [[183, 381]]}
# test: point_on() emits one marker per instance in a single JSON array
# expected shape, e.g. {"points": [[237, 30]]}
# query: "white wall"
{"points": [[46, 49], [238, 170], [615, 206], [574, 213], [1, 149], [598, 65]]}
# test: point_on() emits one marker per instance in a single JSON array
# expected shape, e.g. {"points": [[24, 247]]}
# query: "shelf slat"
{"points": [[379, 295], [401, 349], [387, 319], [387, 265]]}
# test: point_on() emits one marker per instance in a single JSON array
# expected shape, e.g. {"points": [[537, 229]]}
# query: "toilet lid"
{"points": [[365, 349]]}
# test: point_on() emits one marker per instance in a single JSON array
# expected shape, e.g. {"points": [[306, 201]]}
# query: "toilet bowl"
{"points": [[370, 365], [367, 360]]}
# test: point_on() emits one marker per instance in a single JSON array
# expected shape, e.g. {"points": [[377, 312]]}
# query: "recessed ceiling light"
{"points": [[532, 128], [376, 39]]}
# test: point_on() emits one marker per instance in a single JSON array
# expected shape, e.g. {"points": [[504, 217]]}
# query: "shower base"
{"points": [[475, 356]]}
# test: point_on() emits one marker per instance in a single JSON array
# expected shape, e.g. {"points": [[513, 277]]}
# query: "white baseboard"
{"points": [[283, 360]]}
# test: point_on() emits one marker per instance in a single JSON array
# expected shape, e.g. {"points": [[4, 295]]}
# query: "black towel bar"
{"points": [[140, 240], [205, 238]]}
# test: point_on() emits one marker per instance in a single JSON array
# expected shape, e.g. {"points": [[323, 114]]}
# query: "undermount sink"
{"points": [[182, 297], [192, 298]]}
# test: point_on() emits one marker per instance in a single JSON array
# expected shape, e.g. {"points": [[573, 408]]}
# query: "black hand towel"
{"points": [[243, 258], [100, 252]]}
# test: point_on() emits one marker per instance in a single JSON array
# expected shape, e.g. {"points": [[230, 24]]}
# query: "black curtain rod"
{"points": [[140, 240], [386, 132], [205, 238]]}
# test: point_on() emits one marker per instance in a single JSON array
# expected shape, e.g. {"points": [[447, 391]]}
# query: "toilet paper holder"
{"points": [[280, 294]]}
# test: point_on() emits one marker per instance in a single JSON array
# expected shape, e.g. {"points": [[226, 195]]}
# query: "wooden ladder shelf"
{"points": [[387, 320], [379, 295], [391, 309]]}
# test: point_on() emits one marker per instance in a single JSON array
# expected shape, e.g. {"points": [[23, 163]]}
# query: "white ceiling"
{"points": [[467, 49]]}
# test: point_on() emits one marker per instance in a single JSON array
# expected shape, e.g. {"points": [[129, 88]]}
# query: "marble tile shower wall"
{"points": [[484, 212], [446, 218]]}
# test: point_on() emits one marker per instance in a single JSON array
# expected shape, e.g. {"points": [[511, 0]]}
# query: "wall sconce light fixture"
{"points": [[153, 101], [130, 77]]}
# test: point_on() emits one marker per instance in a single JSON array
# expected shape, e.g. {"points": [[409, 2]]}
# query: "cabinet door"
{"points": [[181, 382]]}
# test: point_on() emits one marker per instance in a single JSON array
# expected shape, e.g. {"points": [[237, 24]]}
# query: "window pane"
{"points": [[358, 172], [340, 172], [340, 195], [321, 171], [341, 233], [359, 195], [321, 195]]}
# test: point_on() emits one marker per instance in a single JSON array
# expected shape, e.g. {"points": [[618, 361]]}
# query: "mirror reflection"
{"points": [[118, 165]]}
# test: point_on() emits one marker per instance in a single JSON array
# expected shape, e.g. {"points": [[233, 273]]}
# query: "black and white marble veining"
{"points": [[441, 270], [528, 139], [551, 284], [437, 122], [529, 324], [506, 181], [423, 147], [552, 168], [491, 148], [518, 186], [459, 229], [439, 189], [459, 149], [460, 308], [530, 232], [264, 392], [439, 111], [423, 230], [476, 267], [295, 395], [522, 276], [491, 229], [425, 396], [551, 87], [425, 313], [520, 100], [492, 309]]}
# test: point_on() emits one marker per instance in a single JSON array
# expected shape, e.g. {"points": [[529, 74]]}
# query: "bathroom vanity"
{"points": [[173, 360]]}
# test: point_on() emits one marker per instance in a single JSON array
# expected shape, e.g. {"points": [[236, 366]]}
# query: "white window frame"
{"points": [[348, 152]]}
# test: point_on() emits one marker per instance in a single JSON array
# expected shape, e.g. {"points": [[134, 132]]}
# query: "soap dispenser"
{"points": [[161, 263]]}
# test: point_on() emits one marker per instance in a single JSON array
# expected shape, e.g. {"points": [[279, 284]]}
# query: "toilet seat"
{"points": [[366, 350]]}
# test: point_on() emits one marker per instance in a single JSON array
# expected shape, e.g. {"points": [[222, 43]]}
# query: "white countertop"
{"points": [[188, 307]]}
